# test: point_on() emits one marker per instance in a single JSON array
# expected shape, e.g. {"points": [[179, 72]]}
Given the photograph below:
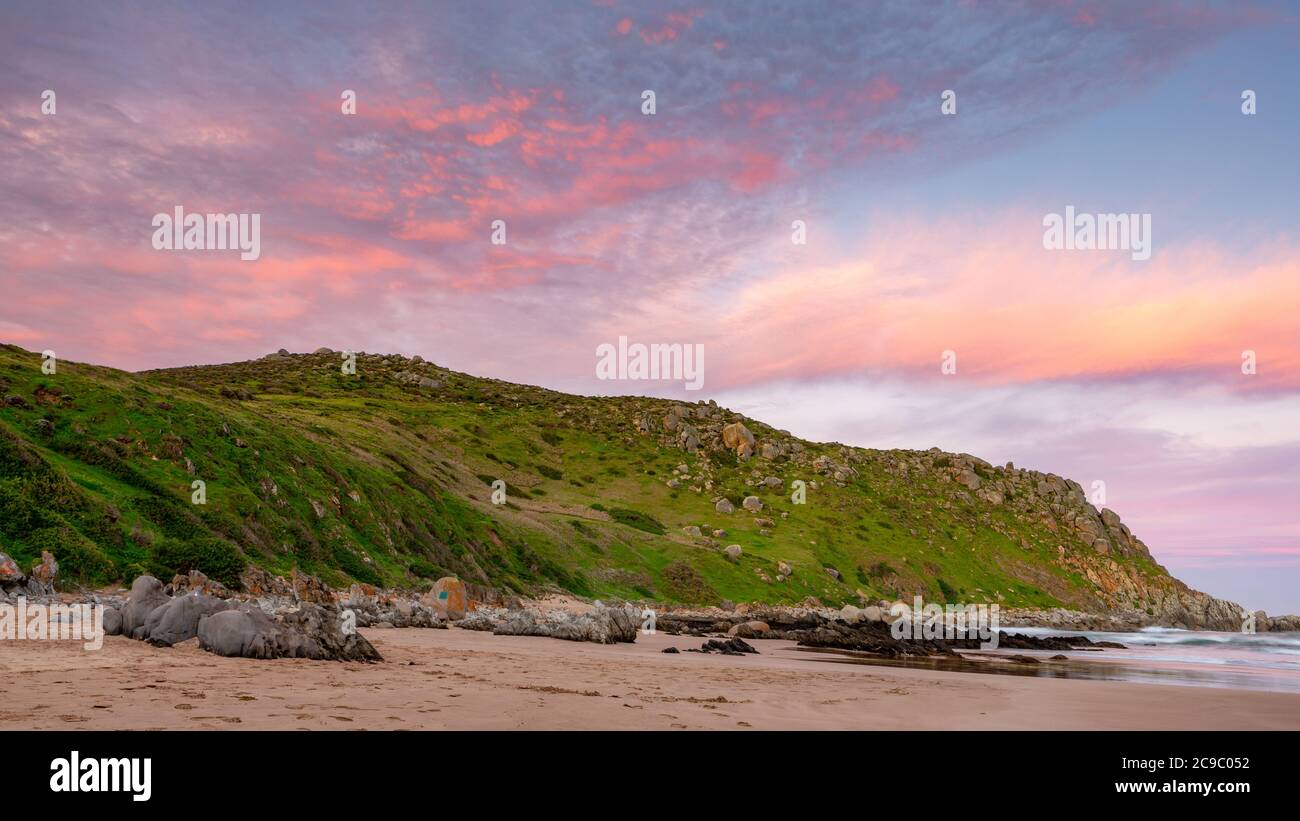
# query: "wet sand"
{"points": [[458, 679]]}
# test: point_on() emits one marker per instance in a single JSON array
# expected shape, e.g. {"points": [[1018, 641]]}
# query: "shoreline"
{"points": [[462, 679]]}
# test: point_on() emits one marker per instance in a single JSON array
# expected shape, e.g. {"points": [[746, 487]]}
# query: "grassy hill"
{"points": [[384, 476]]}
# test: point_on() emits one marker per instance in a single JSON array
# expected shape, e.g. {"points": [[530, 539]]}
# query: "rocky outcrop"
{"points": [[10, 574], [603, 624], [311, 631], [736, 437], [44, 572], [146, 596], [178, 619]]}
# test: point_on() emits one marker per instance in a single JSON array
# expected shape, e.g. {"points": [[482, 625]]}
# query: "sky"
{"points": [[923, 230]]}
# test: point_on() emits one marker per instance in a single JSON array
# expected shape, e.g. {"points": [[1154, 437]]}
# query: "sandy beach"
{"points": [[460, 679]]}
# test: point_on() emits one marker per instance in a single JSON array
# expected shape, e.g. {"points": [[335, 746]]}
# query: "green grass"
{"points": [[364, 478]]}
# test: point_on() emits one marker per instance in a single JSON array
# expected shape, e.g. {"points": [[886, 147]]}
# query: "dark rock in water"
{"points": [[178, 620], [867, 637], [1019, 641], [727, 647], [146, 596], [878, 639], [1059, 657], [670, 650], [1018, 659]]}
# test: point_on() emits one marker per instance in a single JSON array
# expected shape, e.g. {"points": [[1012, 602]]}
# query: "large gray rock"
{"points": [[604, 625], [178, 620], [146, 596], [112, 621], [312, 631], [246, 633]]}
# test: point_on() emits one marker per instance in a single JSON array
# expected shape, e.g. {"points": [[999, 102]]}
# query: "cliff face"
{"points": [[385, 475]]}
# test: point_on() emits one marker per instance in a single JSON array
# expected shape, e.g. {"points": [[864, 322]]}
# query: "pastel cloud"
{"points": [[671, 227]]}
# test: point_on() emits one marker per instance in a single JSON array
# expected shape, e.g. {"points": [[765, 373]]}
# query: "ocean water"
{"points": [[1255, 661], [1157, 655]]}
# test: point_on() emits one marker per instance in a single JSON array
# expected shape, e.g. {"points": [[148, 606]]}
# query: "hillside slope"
{"points": [[383, 476]]}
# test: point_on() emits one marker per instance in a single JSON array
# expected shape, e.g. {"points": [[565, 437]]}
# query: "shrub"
{"points": [[683, 583], [79, 558], [636, 519], [216, 558], [949, 595]]}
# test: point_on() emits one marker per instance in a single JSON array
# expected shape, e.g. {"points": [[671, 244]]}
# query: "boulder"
{"points": [[784, 568], [753, 504], [146, 596], [751, 630], [603, 625], [724, 506], [257, 582], [112, 621], [970, 479], [312, 631], [733, 552], [307, 588], [44, 571], [178, 620], [736, 435], [9, 572], [449, 598], [734, 646], [245, 633]]}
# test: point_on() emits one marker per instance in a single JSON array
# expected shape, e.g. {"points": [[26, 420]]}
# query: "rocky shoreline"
{"points": [[302, 617]]}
